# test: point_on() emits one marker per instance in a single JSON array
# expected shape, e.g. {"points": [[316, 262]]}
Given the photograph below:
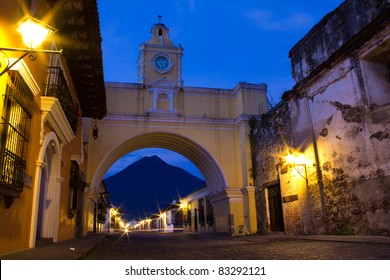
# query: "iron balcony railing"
{"points": [[14, 134], [12, 166], [58, 87]]}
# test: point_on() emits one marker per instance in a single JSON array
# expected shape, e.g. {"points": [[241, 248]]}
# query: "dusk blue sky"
{"points": [[224, 41]]}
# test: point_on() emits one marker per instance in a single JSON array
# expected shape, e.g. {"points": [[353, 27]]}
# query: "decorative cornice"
{"points": [[227, 196], [53, 113], [248, 190], [172, 117], [168, 118], [197, 194], [92, 194], [77, 159], [41, 164]]}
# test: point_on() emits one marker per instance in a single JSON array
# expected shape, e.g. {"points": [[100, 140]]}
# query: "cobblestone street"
{"points": [[182, 246]]}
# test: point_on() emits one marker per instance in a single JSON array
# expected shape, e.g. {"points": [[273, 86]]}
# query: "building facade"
{"points": [[198, 212], [193, 213], [43, 194], [209, 126], [322, 155]]}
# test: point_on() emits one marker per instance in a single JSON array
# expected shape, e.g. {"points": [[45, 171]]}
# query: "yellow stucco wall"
{"points": [[208, 126], [18, 222], [244, 99]]}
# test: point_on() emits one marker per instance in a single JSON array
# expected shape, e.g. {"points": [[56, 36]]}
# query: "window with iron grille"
{"points": [[58, 87], [14, 134], [75, 184]]}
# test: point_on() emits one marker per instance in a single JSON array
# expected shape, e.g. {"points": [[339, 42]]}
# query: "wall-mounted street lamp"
{"points": [[33, 32], [299, 163], [184, 207], [95, 132], [113, 217]]}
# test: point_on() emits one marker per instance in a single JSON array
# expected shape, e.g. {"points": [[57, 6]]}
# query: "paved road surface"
{"points": [[182, 246]]}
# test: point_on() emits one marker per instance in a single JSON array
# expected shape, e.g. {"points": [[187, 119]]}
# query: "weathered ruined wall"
{"points": [[334, 34], [349, 104], [353, 193], [355, 167], [275, 137], [270, 134], [337, 119], [352, 137], [269, 137]]}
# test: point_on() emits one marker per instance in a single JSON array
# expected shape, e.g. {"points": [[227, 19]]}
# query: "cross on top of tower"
{"points": [[159, 18]]}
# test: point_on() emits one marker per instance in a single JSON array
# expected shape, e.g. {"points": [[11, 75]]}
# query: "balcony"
{"points": [[57, 87], [14, 137], [12, 165]]}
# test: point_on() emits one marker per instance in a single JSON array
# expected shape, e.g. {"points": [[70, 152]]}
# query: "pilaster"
{"points": [[250, 208]]}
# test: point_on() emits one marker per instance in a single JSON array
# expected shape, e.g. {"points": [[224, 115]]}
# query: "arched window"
{"points": [[160, 32]]}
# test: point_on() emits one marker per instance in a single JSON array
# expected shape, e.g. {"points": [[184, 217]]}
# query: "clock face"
{"points": [[162, 63]]}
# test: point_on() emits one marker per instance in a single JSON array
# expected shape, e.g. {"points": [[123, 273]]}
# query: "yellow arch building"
{"points": [[208, 126]]}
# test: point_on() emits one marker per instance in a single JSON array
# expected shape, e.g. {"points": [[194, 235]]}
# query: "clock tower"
{"points": [[159, 68], [159, 58]]}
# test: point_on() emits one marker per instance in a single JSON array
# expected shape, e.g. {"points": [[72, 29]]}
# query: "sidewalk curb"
{"points": [[86, 249], [72, 249], [325, 238], [350, 238]]}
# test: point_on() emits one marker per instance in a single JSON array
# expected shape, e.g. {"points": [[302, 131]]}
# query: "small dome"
{"points": [[159, 34]]}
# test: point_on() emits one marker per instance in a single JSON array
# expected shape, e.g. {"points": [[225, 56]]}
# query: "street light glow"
{"points": [[293, 159], [183, 205], [34, 32]]}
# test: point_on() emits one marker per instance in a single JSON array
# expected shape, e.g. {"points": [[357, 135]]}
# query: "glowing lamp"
{"points": [[34, 32], [298, 163], [292, 159]]}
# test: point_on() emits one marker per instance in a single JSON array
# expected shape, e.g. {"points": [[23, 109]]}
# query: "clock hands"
{"points": [[161, 63]]}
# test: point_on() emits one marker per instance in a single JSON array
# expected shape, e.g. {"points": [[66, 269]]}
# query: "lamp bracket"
{"points": [[30, 52]]}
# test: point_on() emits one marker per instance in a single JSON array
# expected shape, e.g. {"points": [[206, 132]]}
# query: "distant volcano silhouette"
{"points": [[149, 184]]}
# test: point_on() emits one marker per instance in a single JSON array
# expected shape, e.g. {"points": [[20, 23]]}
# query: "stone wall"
{"points": [[336, 122], [348, 194], [269, 136], [335, 34]]}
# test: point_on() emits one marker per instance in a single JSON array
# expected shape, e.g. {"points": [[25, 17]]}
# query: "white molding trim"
{"points": [[226, 196], [41, 164], [53, 113], [92, 194], [77, 159], [203, 192], [248, 190], [28, 78]]}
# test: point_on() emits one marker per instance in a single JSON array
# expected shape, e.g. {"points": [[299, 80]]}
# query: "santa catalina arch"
{"points": [[208, 126]]}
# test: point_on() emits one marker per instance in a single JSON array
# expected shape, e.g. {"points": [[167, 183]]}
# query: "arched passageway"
{"points": [[227, 199], [201, 158], [207, 126]]}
